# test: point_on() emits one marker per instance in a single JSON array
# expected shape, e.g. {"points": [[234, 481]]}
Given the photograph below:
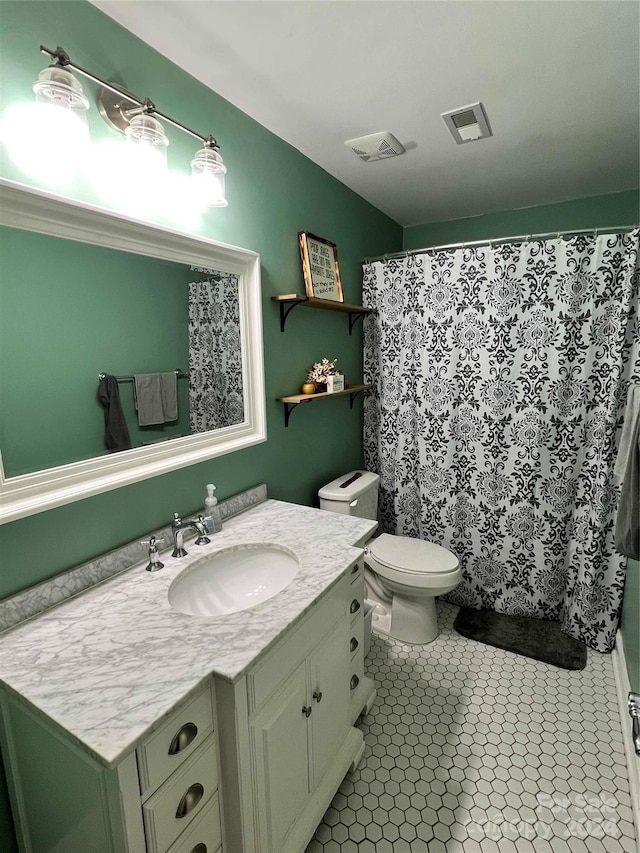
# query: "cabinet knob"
{"points": [[353, 644], [306, 710], [355, 606], [190, 800], [200, 848], [318, 696], [183, 738], [354, 681]]}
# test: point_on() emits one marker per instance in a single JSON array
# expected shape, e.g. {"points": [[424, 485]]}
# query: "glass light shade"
{"points": [[207, 176], [49, 139], [147, 146], [125, 179]]}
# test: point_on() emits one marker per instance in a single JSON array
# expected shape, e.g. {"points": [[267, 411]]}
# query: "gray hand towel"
{"points": [[156, 397], [629, 429]]}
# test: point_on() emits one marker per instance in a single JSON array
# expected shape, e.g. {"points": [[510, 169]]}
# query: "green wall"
{"points": [[106, 311], [596, 211], [273, 191]]}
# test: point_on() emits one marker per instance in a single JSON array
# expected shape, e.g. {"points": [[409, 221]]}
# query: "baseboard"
{"points": [[623, 688]]}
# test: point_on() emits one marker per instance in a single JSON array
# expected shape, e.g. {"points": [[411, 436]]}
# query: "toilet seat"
{"points": [[412, 556]]}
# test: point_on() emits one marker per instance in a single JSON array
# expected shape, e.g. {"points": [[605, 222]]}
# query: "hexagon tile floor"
{"points": [[471, 749]]}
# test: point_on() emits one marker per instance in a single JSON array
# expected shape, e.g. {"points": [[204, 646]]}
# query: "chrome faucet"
{"points": [[178, 528]]}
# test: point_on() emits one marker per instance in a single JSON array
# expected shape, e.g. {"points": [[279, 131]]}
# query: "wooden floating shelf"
{"points": [[290, 301], [294, 400]]}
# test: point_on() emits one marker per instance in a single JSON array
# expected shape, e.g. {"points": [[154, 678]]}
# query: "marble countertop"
{"points": [[110, 663]]}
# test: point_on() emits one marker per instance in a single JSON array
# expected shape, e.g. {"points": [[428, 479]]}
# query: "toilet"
{"points": [[403, 575]]}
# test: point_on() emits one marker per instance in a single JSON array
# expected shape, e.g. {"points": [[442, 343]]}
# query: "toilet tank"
{"points": [[355, 493]]}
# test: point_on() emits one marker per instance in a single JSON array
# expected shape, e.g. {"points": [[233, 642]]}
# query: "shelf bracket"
{"points": [[354, 316], [288, 408], [285, 309], [353, 396]]}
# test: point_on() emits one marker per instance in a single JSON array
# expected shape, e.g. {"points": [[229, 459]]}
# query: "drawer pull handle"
{"points": [[306, 710], [353, 645], [200, 848], [354, 681], [355, 569], [190, 800], [318, 696], [183, 738], [355, 606]]}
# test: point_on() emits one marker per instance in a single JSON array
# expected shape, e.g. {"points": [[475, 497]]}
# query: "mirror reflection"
{"points": [[157, 341]]}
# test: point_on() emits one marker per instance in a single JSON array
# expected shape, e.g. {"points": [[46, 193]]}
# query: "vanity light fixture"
{"points": [[50, 138], [207, 175], [137, 118]]}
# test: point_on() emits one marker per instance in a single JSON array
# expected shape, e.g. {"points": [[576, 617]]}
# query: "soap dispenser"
{"points": [[212, 517]]}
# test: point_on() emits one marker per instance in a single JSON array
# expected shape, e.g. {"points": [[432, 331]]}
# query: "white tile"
{"points": [[470, 750]]}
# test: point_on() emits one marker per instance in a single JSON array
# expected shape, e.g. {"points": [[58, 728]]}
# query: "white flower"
{"points": [[320, 371]]}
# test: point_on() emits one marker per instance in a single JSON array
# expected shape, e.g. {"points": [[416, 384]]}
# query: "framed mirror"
{"points": [[91, 299]]}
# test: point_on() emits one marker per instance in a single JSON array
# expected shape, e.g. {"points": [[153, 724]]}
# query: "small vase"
{"points": [[309, 388]]}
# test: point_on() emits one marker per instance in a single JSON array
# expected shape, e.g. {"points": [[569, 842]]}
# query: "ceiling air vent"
{"points": [[467, 124], [376, 146]]}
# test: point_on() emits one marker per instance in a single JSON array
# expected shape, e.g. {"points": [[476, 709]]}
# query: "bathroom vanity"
{"points": [[128, 726]]}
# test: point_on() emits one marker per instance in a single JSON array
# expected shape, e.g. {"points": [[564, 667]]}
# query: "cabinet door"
{"points": [[280, 759], [329, 720]]}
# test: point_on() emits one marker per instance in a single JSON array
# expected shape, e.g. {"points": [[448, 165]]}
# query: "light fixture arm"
{"points": [[144, 105]]}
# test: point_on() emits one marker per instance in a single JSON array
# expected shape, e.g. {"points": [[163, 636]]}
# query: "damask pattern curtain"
{"points": [[500, 375], [215, 355]]}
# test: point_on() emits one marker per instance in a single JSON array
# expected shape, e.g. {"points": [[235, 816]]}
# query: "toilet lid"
{"points": [[412, 555]]}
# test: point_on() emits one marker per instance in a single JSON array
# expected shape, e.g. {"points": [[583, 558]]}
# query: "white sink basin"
{"points": [[233, 579]]}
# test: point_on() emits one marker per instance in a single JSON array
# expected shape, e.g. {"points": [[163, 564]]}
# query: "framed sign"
{"points": [[320, 267]]}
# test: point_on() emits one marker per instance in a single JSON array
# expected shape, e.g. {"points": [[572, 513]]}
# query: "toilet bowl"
{"points": [[409, 573], [403, 575]]}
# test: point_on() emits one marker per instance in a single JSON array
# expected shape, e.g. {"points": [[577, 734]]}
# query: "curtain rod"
{"points": [[522, 238]]}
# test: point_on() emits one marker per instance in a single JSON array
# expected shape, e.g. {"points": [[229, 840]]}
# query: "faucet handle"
{"points": [[154, 563], [153, 540], [176, 519], [202, 539]]}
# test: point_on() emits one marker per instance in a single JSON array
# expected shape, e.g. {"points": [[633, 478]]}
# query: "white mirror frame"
{"points": [[46, 213]]}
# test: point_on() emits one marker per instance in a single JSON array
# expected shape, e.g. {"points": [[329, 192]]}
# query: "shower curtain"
{"points": [[500, 375], [215, 355]]}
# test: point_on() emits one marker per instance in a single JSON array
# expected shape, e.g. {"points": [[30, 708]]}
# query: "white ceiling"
{"points": [[558, 79]]}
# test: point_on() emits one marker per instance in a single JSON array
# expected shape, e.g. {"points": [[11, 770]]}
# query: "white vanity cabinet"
{"points": [[247, 763], [287, 739], [162, 798]]}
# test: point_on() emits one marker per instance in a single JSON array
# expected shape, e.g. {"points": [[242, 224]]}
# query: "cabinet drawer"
{"points": [[168, 747], [356, 598], [172, 808], [356, 634], [204, 835], [356, 669], [357, 571]]}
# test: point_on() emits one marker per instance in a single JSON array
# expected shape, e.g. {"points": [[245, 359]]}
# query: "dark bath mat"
{"points": [[533, 638]]}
